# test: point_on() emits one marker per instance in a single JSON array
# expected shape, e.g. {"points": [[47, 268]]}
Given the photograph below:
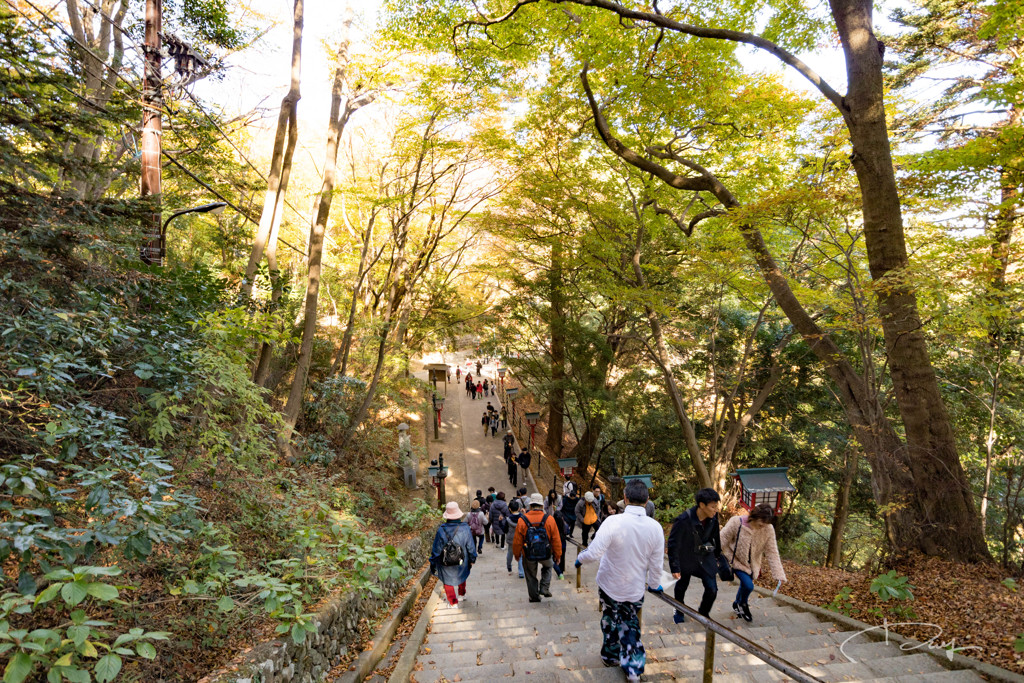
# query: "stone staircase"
{"points": [[496, 633]]}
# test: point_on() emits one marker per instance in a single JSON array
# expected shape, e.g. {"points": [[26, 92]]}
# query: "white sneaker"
{"points": [[455, 606]]}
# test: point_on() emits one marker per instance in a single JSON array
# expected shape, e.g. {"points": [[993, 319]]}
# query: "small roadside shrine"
{"points": [[438, 372], [763, 485]]}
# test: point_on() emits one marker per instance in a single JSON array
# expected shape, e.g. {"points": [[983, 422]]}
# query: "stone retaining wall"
{"points": [[282, 661]]}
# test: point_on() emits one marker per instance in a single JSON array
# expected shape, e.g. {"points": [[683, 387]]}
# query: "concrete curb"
{"points": [[905, 643], [381, 642], [403, 669]]}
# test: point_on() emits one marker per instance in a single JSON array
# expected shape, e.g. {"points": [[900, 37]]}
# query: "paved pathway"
{"points": [[496, 633], [475, 461]]}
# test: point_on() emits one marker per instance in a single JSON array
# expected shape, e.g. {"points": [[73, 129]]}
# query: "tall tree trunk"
{"points": [[904, 476], [102, 41], [280, 163], [584, 449], [339, 118], [989, 446], [262, 371], [1001, 235], [851, 455], [947, 521], [371, 391], [665, 364], [340, 365], [556, 326]]}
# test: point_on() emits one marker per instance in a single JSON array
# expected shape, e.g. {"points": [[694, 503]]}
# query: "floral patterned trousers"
{"points": [[620, 626]]}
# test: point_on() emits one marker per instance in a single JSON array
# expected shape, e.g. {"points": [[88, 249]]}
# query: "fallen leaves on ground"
{"points": [[968, 602]]}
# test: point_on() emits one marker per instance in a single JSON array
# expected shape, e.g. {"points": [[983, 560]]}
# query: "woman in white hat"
{"points": [[589, 514], [453, 553]]}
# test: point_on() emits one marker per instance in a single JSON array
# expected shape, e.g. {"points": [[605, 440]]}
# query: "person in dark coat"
{"points": [[513, 471], [499, 519], [515, 514], [536, 516], [523, 460], [509, 443], [569, 501], [563, 532], [453, 529], [694, 544]]}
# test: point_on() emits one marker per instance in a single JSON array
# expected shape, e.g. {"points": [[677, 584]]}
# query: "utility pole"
{"points": [[152, 250]]}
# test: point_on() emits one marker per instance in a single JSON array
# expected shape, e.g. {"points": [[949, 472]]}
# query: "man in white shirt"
{"points": [[630, 548]]}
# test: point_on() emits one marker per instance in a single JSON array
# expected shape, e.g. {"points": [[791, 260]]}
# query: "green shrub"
{"points": [[74, 647], [843, 602], [893, 586]]}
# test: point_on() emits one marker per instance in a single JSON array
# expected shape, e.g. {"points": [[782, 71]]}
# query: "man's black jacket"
{"points": [[524, 460], [687, 534]]}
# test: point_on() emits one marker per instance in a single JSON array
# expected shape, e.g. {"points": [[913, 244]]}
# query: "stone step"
{"points": [[905, 664], [497, 634], [961, 676]]}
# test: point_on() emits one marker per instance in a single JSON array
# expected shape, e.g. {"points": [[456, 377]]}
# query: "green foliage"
{"points": [[71, 648], [1010, 583], [894, 586], [332, 403], [324, 551], [1018, 644], [843, 602], [39, 113], [317, 449], [407, 519]]}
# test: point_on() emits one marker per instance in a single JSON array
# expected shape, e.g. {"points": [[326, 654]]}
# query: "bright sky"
{"points": [[261, 75]]}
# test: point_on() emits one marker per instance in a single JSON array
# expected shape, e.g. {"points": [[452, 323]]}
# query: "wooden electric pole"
{"points": [[152, 250]]}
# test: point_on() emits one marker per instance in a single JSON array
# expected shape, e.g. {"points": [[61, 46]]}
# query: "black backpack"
{"points": [[538, 545], [451, 553]]}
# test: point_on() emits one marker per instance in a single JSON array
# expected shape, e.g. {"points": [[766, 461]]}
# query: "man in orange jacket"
{"points": [[537, 541]]}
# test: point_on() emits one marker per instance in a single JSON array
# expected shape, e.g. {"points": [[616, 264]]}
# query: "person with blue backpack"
{"points": [[453, 554], [539, 543]]}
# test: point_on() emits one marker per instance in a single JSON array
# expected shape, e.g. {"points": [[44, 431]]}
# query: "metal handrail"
{"points": [[712, 627]]}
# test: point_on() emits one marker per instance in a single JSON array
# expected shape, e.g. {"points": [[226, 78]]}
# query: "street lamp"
{"points": [[512, 392], [215, 207], [438, 472], [438, 407], [501, 375], [565, 467], [532, 419]]}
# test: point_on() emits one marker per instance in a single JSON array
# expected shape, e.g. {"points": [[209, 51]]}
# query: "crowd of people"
{"points": [[622, 538]]}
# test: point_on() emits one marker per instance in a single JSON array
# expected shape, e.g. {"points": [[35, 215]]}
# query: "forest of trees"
{"points": [[692, 248]]}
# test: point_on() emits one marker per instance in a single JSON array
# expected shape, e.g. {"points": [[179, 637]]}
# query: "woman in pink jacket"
{"points": [[746, 541]]}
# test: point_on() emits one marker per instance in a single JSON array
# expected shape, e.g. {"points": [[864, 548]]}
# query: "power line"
{"points": [[203, 111], [63, 30], [169, 113], [224, 199], [215, 124]]}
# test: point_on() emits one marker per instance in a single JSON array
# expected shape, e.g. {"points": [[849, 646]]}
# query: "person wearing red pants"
{"points": [[453, 554]]}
